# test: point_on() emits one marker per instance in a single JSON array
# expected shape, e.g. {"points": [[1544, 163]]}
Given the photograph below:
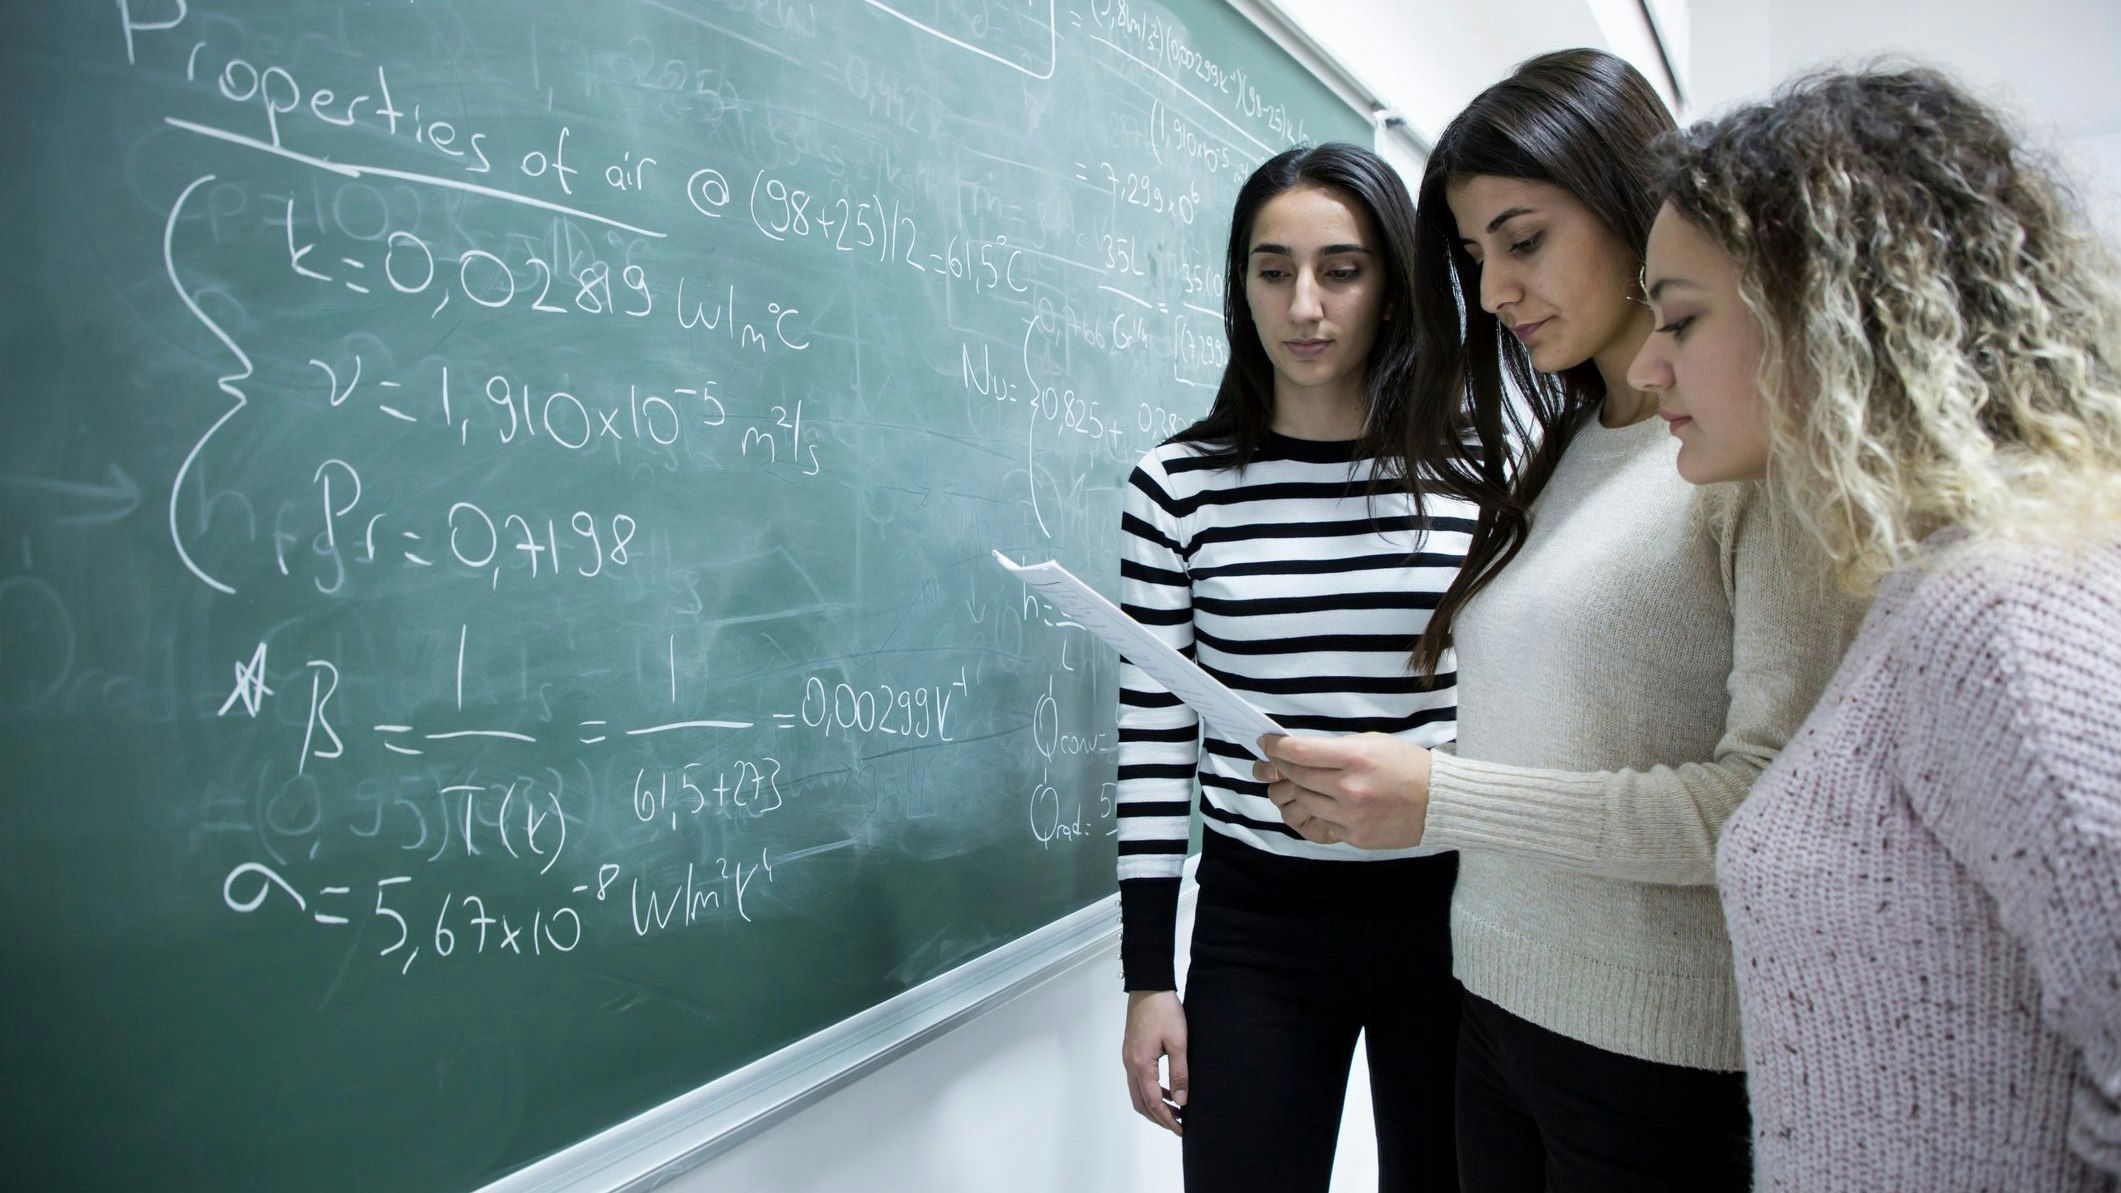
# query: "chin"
{"points": [[1550, 359], [1694, 472], [1697, 473]]}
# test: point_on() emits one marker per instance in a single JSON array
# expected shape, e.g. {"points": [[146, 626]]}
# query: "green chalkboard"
{"points": [[496, 624]]}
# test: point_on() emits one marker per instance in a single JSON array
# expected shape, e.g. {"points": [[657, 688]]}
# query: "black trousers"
{"points": [[1539, 1112], [1290, 960]]}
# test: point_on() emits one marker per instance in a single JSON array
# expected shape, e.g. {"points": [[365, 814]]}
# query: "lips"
{"points": [[1523, 331], [1306, 348], [1674, 419]]}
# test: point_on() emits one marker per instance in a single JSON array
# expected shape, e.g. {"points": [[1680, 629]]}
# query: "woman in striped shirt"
{"points": [[1274, 542]]}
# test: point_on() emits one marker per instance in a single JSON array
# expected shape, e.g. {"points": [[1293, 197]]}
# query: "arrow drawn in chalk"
{"points": [[121, 493]]}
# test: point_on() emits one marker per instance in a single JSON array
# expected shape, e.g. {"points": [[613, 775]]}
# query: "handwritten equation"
{"points": [[593, 440]]}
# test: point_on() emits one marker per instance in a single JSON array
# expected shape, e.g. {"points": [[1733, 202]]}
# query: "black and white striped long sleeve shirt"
{"points": [[1304, 592]]}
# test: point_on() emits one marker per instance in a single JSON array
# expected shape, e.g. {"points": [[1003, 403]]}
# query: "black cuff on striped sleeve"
{"points": [[1148, 933]]}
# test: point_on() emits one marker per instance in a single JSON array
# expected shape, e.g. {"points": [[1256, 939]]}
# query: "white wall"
{"points": [[1029, 1098], [2053, 63], [1426, 58]]}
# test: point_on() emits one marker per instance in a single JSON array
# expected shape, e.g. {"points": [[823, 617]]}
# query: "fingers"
{"points": [[1329, 753], [1303, 780], [1148, 1095], [1285, 790], [1317, 831], [1308, 825], [1180, 1080], [1312, 814], [1301, 763], [1323, 779], [1149, 1099], [1137, 1088]]}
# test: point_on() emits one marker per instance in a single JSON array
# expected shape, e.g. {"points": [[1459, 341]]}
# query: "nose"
{"points": [[1651, 370], [1305, 304], [1499, 287]]}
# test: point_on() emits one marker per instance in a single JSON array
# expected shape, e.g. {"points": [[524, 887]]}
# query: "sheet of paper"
{"points": [[1232, 715]]}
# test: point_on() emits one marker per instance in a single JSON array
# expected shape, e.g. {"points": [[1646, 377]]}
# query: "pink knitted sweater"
{"points": [[1924, 892]]}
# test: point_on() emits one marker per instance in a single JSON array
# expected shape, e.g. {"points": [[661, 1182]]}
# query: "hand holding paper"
{"points": [[1232, 715]]}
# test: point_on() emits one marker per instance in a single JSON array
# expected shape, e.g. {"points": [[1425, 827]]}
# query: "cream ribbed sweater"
{"points": [[1621, 684], [1925, 893]]}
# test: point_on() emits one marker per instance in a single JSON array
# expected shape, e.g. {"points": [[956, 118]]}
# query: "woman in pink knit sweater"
{"points": [[1868, 293]]}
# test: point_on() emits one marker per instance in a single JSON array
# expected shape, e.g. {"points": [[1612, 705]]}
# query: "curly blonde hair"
{"points": [[1942, 329]]}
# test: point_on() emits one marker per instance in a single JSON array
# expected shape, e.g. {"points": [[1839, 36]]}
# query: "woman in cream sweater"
{"points": [[1629, 659]]}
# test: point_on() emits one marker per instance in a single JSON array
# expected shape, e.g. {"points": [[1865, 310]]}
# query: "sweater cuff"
{"points": [[1555, 816], [1148, 933]]}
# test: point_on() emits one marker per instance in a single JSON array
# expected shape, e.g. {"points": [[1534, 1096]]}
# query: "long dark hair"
{"points": [[1582, 120], [1243, 412]]}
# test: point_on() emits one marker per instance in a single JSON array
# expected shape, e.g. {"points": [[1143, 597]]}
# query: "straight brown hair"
{"points": [[1582, 120]]}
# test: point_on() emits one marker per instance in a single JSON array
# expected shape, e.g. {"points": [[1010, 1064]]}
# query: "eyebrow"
{"points": [[1505, 217], [1661, 284], [1325, 251]]}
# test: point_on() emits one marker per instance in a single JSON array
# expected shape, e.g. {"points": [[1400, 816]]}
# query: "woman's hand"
{"points": [[1370, 790], [1156, 1028]]}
